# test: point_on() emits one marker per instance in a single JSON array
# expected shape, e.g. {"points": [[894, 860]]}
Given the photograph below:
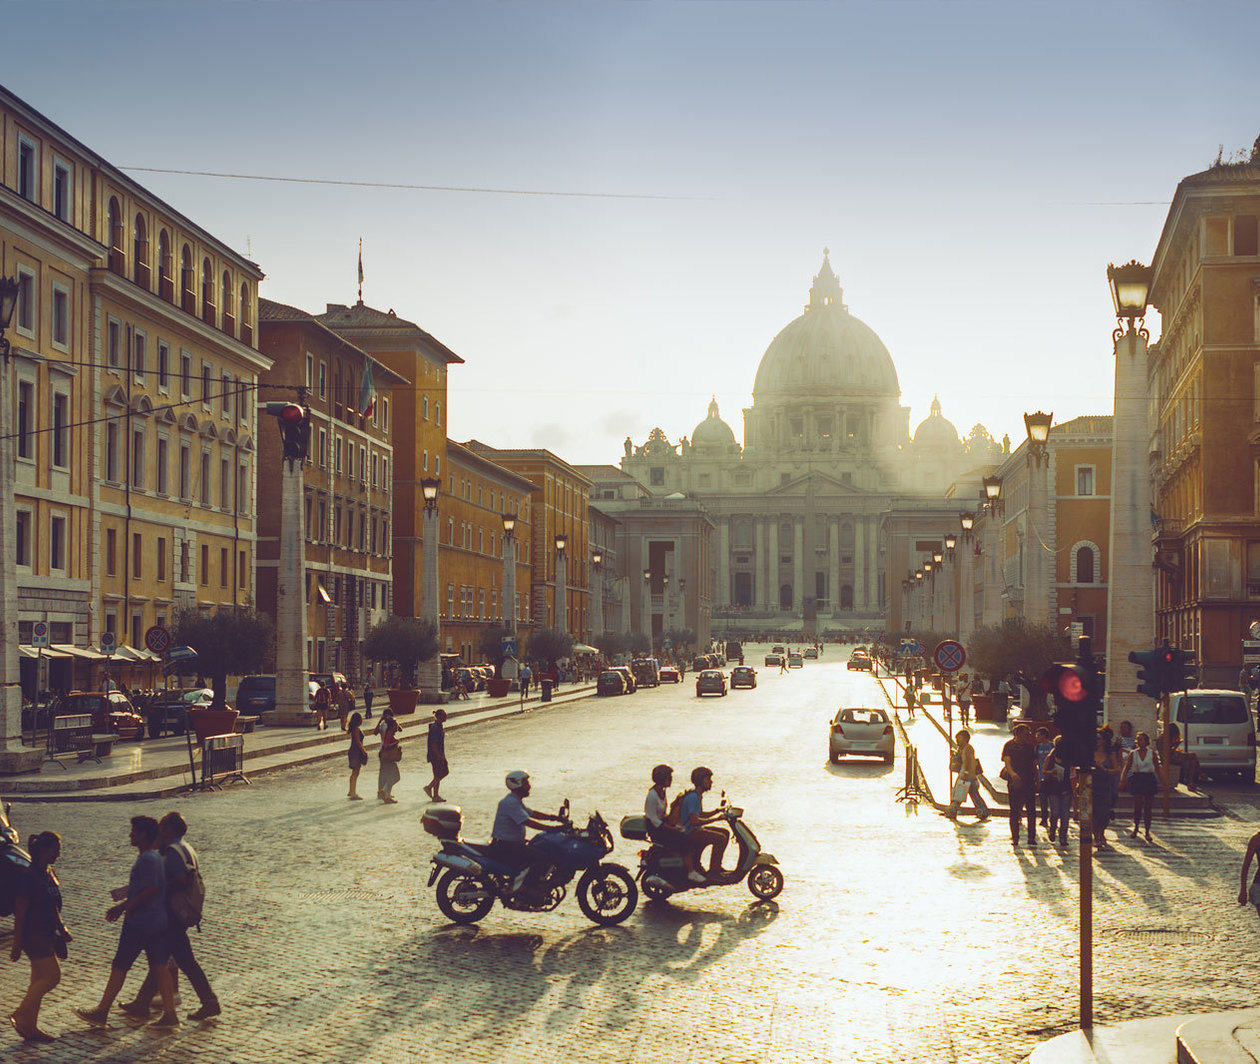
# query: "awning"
{"points": [[34, 652], [78, 652], [582, 648], [129, 654]]}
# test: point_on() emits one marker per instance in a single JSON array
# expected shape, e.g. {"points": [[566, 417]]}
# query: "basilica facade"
{"points": [[827, 451]]}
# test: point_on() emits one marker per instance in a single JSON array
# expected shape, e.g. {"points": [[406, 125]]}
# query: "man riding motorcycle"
{"points": [[511, 818], [692, 819]]}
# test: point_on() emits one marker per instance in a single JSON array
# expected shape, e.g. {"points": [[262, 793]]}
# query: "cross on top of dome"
{"points": [[826, 290], [713, 408]]}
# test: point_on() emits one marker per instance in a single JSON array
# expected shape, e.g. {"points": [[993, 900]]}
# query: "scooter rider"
{"points": [[659, 829], [692, 819], [511, 818]]}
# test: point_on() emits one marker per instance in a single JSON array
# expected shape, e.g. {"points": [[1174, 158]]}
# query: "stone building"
{"points": [[827, 450]]}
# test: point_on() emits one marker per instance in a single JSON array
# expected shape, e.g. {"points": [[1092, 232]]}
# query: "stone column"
{"points": [[645, 617], [562, 591], [1037, 547], [597, 600], [772, 573], [509, 582], [833, 567], [14, 757], [429, 674], [724, 561], [992, 578], [798, 566], [292, 698], [859, 564], [1130, 576], [966, 618], [761, 569]]}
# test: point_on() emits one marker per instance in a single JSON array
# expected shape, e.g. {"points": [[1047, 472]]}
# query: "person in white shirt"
{"points": [[660, 830]]}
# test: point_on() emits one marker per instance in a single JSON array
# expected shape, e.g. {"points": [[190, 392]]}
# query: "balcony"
{"points": [[143, 277], [229, 324], [209, 314], [247, 334], [166, 288], [188, 300], [117, 263]]}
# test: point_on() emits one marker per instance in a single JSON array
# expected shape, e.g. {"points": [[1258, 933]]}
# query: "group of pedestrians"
{"points": [[390, 754], [163, 899], [336, 699]]}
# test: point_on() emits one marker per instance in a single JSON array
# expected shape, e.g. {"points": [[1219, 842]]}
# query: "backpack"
{"points": [[674, 816], [186, 902]]}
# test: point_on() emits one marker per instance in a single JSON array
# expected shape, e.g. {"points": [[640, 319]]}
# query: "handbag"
{"points": [[961, 786], [391, 753]]}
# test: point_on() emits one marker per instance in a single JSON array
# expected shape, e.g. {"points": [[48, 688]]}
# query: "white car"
{"points": [[1218, 728], [864, 732]]}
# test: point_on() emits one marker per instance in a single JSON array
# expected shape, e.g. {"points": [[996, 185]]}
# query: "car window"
{"points": [[863, 716], [1212, 709]]}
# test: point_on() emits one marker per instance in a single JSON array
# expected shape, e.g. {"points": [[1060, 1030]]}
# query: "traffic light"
{"points": [[1154, 667], [1074, 688], [294, 421], [1183, 671]]}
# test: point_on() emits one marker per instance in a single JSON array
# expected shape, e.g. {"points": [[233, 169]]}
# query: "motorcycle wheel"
{"points": [[607, 894], [765, 881], [457, 897]]}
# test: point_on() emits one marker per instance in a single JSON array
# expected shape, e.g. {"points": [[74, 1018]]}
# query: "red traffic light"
{"points": [[289, 412], [1066, 682]]}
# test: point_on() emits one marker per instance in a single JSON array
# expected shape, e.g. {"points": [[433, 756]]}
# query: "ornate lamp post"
{"points": [[1037, 552], [429, 675], [966, 585], [597, 593], [509, 571], [992, 494], [646, 622], [562, 582]]}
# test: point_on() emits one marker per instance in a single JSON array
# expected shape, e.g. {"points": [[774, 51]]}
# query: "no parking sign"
{"points": [[949, 655]]}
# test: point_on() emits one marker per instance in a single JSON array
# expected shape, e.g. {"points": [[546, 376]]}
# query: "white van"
{"points": [[1217, 726]]}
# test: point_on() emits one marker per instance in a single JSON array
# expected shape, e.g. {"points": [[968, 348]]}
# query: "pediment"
{"points": [[819, 482], [115, 396]]}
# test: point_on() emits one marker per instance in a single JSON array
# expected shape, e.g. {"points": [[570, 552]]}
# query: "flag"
{"points": [[367, 392]]}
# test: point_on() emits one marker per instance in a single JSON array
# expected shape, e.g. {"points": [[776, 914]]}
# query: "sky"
{"points": [[973, 168]]}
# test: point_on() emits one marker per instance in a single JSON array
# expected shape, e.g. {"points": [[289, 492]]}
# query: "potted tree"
{"points": [[551, 645], [492, 651], [1016, 649], [232, 641], [405, 642]]}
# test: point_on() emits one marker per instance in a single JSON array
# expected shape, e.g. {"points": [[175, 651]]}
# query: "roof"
{"points": [[269, 311], [456, 452], [1220, 176], [362, 318], [1085, 425], [603, 472], [500, 454]]}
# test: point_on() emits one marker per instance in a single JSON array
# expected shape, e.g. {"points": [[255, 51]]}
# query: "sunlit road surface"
{"points": [[898, 937]]}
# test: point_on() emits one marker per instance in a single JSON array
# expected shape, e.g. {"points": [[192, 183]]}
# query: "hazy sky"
{"points": [[973, 167]]}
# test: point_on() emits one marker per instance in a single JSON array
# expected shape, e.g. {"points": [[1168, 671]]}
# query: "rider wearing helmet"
{"points": [[511, 818]]}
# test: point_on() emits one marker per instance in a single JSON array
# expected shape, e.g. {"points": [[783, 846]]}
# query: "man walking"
{"points": [[368, 695], [527, 674], [144, 928], [183, 903], [1019, 769]]}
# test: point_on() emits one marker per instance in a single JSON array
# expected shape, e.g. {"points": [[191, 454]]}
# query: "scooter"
{"points": [[471, 880], [662, 871], [14, 861]]}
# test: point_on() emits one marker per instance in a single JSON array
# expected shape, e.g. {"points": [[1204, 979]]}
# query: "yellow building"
{"points": [[134, 394], [1204, 378]]}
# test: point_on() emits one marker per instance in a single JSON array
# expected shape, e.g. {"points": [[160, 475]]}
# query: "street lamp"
{"points": [[509, 572], [938, 557], [1130, 292], [597, 593], [562, 541], [1038, 428], [9, 289], [562, 582], [967, 521], [597, 559], [509, 524], [951, 541], [992, 492], [429, 486]]}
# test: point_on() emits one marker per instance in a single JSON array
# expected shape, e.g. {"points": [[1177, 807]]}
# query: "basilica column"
{"points": [[772, 572], [872, 545], [798, 566], [859, 564], [724, 561], [759, 566], [833, 567]]}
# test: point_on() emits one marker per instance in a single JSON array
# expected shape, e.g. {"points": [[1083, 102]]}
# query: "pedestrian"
{"points": [[947, 703], [964, 703], [143, 914], [321, 707], [911, 700], [345, 703], [437, 755], [525, 675], [185, 895], [1056, 785], [390, 754], [1126, 742], [1251, 894], [38, 932], [1019, 769], [1143, 773], [1103, 790], [358, 756], [1043, 751], [965, 763], [368, 695], [1188, 765]]}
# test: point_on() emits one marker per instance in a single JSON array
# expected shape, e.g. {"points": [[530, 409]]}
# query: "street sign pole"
{"points": [[1086, 877]]}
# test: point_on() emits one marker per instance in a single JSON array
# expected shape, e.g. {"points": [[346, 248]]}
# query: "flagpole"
{"points": [[360, 269]]}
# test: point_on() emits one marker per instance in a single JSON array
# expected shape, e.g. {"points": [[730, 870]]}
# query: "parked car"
{"points": [[711, 682], [811, 652], [1216, 726], [611, 682], [256, 695], [165, 712], [795, 661], [631, 686], [867, 732], [647, 672], [774, 660], [111, 711], [734, 651], [858, 661], [669, 674], [743, 676], [778, 649]]}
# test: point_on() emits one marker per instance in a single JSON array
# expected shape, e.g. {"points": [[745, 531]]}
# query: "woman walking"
{"points": [[358, 756], [1056, 790], [1143, 772], [437, 755], [1104, 787], [965, 763], [390, 754], [38, 932]]}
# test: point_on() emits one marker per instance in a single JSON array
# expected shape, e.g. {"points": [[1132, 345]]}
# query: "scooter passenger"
{"points": [[692, 818], [660, 830], [511, 818]]}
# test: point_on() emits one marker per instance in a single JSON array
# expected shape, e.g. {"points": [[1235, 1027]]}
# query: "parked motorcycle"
{"points": [[662, 871], [14, 861], [469, 880]]}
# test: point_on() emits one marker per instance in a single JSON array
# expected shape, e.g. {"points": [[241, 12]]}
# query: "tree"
{"points": [[611, 644], [232, 641], [550, 645], [405, 641], [492, 646], [680, 637], [1016, 648], [640, 644]]}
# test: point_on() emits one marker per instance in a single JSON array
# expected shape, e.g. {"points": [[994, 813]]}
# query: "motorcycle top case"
{"points": [[634, 827], [443, 821]]}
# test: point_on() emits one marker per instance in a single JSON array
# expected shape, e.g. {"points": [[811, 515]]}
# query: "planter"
{"points": [[498, 688], [402, 700], [207, 722]]}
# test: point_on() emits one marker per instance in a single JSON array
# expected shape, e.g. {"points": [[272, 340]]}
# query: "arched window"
{"points": [[114, 221], [225, 301], [207, 292], [166, 289], [187, 293], [246, 313], [140, 251], [1084, 565]]}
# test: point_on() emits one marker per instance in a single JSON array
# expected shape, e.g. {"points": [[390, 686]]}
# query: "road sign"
{"points": [[507, 644], [913, 648], [1251, 652], [1076, 629], [39, 634], [157, 639], [949, 655], [667, 643], [108, 643]]}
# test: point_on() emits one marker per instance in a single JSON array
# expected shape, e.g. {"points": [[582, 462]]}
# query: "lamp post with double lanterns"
{"points": [[14, 757], [1037, 552], [562, 582], [429, 674], [992, 579], [1130, 575], [597, 593]]}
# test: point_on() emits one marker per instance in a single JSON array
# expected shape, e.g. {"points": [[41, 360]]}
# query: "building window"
{"points": [[424, 407], [438, 412], [185, 376], [111, 451], [205, 478], [1253, 570], [385, 416], [166, 286], [185, 472], [57, 545], [25, 419], [63, 190], [225, 485], [28, 169], [111, 552], [137, 458], [60, 317], [205, 565], [310, 372], [337, 454], [163, 462], [1085, 480], [164, 366], [114, 237], [322, 450], [242, 488], [138, 357], [657, 476], [205, 385], [184, 562], [1246, 235], [242, 569], [140, 251], [161, 560], [61, 431], [22, 553], [223, 567], [225, 404], [28, 296], [137, 554], [323, 380], [1084, 565], [207, 292]]}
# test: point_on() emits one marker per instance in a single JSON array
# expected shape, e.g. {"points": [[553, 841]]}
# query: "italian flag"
{"points": [[367, 392]]}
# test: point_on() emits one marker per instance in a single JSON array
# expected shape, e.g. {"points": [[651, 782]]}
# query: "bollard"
{"points": [[545, 691]]}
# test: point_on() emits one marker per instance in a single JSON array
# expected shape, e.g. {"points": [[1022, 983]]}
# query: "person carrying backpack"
{"points": [[185, 898]]}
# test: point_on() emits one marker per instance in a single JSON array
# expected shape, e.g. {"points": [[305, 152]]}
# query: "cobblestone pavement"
{"points": [[899, 937]]}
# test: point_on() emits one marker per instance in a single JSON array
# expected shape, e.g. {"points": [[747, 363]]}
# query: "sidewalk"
{"points": [[1214, 1038], [157, 768]]}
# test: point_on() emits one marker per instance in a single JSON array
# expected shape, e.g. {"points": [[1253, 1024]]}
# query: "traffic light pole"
{"points": [[1086, 878], [1165, 711]]}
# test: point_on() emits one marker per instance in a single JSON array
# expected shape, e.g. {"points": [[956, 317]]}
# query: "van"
{"points": [[647, 672], [1216, 726]]}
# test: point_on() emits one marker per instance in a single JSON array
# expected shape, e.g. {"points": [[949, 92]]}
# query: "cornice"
{"points": [[51, 233]]}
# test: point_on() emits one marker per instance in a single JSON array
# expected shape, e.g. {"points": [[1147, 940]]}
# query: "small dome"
{"points": [[713, 433], [936, 433]]}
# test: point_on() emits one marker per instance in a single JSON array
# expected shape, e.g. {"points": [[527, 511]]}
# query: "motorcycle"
{"points": [[14, 861], [662, 871], [469, 880]]}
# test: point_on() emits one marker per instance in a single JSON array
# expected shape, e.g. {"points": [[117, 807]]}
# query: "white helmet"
{"points": [[516, 779]]}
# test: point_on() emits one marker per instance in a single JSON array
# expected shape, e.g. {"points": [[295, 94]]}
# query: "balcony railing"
{"points": [[228, 324], [143, 276], [166, 288]]}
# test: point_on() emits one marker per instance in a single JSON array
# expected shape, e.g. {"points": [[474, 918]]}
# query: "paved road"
{"points": [[899, 937]]}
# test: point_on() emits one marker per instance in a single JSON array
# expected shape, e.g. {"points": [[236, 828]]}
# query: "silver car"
{"points": [[1217, 727], [864, 732]]}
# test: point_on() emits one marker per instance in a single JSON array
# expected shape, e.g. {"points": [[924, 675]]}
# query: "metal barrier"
{"points": [[72, 735], [222, 760]]}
